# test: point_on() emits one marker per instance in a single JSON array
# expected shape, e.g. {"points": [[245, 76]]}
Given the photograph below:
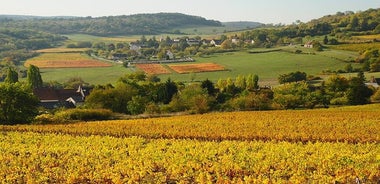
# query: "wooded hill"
{"points": [[148, 24]]}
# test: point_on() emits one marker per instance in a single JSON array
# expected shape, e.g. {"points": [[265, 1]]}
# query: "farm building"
{"points": [[309, 44], [51, 98], [216, 43]]}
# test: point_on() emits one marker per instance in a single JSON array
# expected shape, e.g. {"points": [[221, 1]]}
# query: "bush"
{"points": [[45, 119], [84, 115]]}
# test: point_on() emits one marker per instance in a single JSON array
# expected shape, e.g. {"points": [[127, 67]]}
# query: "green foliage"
{"points": [[34, 77], [351, 91], [137, 105], [166, 91], [358, 93], [376, 96], [18, 105], [193, 98], [348, 68], [12, 76], [74, 83], [209, 86], [148, 24], [292, 77], [20, 42], [251, 101], [81, 115], [291, 95], [112, 98]]}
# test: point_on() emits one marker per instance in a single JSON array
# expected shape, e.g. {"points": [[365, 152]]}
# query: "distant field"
{"points": [[196, 68], [94, 39], [62, 50], [267, 65], [153, 68], [368, 37], [357, 46], [64, 60]]}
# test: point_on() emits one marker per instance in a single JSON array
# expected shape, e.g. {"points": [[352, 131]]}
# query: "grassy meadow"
{"points": [[268, 65]]}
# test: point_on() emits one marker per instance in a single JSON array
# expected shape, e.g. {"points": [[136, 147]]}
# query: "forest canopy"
{"points": [[110, 25]]}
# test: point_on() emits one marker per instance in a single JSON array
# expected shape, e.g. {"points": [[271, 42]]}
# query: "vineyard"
{"points": [[195, 68], [338, 145], [64, 60], [153, 68]]}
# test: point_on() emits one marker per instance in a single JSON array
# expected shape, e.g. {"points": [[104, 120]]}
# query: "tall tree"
{"points": [[18, 105], [209, 86], [12, 76], [358, 93], [34, 77], [166, 91]]}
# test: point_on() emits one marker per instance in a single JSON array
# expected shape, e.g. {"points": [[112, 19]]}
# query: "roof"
{"points": [[55, 94], [49, 96]]}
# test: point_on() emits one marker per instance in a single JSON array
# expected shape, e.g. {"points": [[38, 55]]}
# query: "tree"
{"points": [[255, 82], [112, 98], [194, 98], [358, 93], [166, 91], [227, 44], [291, 95], [348, 68], [12, 76], [17, 104], [252, 82], [325, 40], [240, 82], [335, 88], [354, 24], [74, 83], [34, 77], [209, 86], [292, 77], [137, 105]]}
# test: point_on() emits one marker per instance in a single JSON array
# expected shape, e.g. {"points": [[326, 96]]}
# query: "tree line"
{"points": [[138, 93], [149, 24]]}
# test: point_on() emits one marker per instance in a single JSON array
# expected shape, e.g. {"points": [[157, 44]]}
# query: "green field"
{"points": [[267, 65]]}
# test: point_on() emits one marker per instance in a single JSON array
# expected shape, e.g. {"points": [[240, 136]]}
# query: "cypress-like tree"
{"points": [[12, 76], [34, 77]]}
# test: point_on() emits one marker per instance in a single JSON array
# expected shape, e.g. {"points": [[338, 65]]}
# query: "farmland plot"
{"points": [[64, 60], [201, 67], [153, 68]]}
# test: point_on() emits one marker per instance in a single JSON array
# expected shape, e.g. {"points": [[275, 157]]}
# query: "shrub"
{"points": [[45, 119], [84, 114]]}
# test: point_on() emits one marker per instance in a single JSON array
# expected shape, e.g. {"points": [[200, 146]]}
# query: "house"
{"points": [[249, 41], [216, 43], [51, 98], [192, 41], [309, 44], [206, 42], [136, 46], [169, 55]]}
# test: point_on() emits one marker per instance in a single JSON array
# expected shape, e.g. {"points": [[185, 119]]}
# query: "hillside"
{"points": [[240, 25], [111, 25], [360, 21]]}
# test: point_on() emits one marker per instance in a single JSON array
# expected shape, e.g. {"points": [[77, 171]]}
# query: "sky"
{"points": [[264, 11]]}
